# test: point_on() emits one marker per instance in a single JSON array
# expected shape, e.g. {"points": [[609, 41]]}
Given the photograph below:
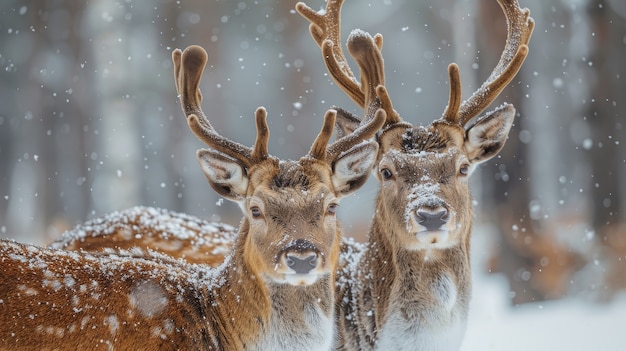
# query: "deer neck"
{"points": [[301, 317], [415, 295], [269, 315], [239, 300]]}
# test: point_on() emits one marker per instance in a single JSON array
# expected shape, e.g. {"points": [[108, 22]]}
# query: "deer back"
{"points": [[138, 230]]}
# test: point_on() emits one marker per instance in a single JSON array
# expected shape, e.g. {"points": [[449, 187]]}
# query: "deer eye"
{"points": [[464, 169], [255, 211], [332, 209], [386, 173]]}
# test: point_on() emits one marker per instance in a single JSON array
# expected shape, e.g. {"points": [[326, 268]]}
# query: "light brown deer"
{"points": [[138, 230], [410, 288], [274, 292]]}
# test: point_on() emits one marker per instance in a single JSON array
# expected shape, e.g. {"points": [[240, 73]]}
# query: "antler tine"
{"points": [[519, 30], [366, 52], [451, 113], [188, 68], [318, 149], [260, 151], [364, 132], [326, 32]]}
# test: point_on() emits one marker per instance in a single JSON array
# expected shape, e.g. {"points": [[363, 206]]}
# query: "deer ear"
{"points": [[351, 168], [345, 122], [487, 136], [225, 175]]}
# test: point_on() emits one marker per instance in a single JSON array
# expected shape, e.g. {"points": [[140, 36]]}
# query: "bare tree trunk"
{"points": [[510, 188], [605, 115], [117, 180]]}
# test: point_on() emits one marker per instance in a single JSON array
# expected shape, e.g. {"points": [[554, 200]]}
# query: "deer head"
{"points": [[424, 169], [289, 206]]}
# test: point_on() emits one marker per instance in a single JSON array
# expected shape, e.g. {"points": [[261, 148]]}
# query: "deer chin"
{"points": [[283, 275], [427, 240], [433, 239], [301, 279]]}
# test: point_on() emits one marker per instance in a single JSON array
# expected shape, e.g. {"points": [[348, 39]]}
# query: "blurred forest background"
{"points": [[90, 122]]}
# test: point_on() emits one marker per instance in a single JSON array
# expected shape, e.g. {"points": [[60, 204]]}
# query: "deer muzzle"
{"points": [[431, 224], [301, 262]]}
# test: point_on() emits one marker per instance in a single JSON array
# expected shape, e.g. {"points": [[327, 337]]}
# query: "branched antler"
{"points": [[188, 68], [371, 93], [365, 49], [519, 30]]}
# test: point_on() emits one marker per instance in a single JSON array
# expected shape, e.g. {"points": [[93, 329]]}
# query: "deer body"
{"points": [[275, 291], [82, 301], [417, 282]]}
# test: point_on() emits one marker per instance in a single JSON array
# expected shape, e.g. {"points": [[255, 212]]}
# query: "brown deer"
{"points": [[274, 292], [410, 287], [138, 230]]}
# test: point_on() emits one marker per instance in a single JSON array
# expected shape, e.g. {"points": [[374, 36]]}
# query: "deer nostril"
{"points": [[432, 220], [446, 215], [301, 264]]}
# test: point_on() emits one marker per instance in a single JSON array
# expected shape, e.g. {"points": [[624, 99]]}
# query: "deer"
{"points": [[409, 287], [274, 291], [139, 230]]}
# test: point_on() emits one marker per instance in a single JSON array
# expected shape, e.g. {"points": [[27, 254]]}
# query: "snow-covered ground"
{"points": [[569, 324]]}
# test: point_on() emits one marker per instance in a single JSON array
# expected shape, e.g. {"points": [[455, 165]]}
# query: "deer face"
{"points": [[293, 226], [423, 174], [289, 209], [424, 177]]}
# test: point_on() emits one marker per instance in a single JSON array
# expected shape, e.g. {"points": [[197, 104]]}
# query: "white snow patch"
{"points": [[567, 324]]}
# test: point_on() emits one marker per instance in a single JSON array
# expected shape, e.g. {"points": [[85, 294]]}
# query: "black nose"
{"points": [[432, 220], [301, 264]]}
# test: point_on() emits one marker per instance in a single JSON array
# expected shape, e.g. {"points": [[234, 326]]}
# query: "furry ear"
{"points": [[225, 175], [487, 136], [351, 168], [345, 122]]}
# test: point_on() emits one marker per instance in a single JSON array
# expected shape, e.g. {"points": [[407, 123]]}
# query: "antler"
{"points": [[519, 29], [326, 32], [370, 94], [188, 68]]}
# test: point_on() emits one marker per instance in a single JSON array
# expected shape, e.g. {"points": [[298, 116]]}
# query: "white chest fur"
{"points": [[314, 332], [435, 323]]}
